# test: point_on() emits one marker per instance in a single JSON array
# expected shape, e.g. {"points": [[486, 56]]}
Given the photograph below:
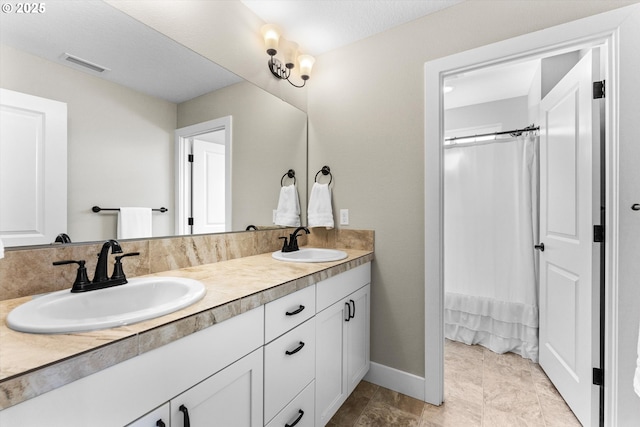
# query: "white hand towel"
{"points": [[320, 212], [134, 223], [288, 212], [636, 378]]}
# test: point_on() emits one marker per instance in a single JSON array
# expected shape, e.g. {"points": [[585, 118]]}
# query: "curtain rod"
{"points": [[515, 132]]}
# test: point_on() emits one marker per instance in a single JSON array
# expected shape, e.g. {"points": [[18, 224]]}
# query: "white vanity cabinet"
{"points": [[342, 338], [118, 395]]}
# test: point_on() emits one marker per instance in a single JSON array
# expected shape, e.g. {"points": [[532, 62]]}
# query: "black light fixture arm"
{"points": [[283, 71]]}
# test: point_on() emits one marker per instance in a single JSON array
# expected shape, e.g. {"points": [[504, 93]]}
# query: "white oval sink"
{"points": [[310, 255], [140, 299]]}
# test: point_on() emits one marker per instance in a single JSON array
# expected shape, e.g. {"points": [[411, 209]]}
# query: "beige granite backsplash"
{"points": [[29, 271]]}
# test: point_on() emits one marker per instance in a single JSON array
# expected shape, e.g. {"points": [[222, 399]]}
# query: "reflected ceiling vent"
{"points": [[84, 63]]}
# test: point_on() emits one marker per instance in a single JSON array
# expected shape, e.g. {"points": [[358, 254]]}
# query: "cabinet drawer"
{"points": [[288, 312], [301, 409], [289, 365], [335, 288]]}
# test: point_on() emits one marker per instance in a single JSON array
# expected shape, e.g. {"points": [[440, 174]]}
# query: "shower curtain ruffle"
{"points": [[498, 325]]}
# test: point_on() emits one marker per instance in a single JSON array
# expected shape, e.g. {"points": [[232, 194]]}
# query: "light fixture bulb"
{"points": [[290, 51], [306, 64], [271, 34]]}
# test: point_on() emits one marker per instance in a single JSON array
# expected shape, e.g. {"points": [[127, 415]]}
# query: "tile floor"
{"points": [[482, 388]]}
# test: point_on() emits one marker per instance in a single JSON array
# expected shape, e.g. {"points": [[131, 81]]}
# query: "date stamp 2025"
{"points": [[23, 8]]}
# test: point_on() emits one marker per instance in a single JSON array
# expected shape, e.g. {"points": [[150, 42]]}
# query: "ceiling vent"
{"points": [[84, 63]]}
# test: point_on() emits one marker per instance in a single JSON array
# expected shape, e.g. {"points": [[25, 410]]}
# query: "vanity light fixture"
{"points": [[272, 39]]}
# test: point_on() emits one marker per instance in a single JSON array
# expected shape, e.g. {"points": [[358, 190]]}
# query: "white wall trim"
{"points": [[396, 380]]}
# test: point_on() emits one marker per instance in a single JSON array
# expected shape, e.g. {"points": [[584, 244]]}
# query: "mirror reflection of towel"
{"points": [[134, 223], [320, 212], [288, 212]]}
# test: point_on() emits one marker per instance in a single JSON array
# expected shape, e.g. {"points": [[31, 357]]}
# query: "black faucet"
{"points": [[100, 280], [292, 246], [101, 267]]}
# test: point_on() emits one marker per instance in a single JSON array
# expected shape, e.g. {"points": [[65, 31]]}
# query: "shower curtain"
{"points": [[491, 226]]}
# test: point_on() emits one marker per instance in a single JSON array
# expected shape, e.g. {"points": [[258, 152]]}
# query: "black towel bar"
{"points": [[98, 209]]}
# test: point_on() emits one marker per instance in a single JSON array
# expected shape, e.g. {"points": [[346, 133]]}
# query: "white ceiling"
{"points": [[319, 26], [103, 35], [180, 74]]}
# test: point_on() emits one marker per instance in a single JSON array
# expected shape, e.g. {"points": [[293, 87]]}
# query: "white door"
{"points": [[569, 264], [33, 169], [208, 195]]}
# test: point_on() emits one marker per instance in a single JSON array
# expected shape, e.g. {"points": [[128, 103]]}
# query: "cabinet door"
{"points": [[331, 379], [154, 418], [358, 360], [232, 397]]}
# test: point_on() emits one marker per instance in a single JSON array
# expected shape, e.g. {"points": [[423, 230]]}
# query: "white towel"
{"points": [[134, 223], [320, 212], [636, 378], [288, 212]]}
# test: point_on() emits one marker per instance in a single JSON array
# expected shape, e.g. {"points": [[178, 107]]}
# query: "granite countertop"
{"points": [[32, 364]]}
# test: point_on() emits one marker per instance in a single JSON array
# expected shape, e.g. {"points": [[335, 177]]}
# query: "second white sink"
{"points": [[140, 299], [310, 255]]}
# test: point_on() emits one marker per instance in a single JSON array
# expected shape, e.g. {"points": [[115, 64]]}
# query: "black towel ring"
{"points": [[326, 170], [291, 174]]}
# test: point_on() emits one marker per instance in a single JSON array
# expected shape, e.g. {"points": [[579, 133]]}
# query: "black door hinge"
{"points": [[190, 221], [598, 233], [190, 158], [598, 89], [598, 376]]}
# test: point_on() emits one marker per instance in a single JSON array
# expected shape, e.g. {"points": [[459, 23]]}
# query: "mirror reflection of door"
{"points": [[203, 177], [208, 183], [33, 169]]}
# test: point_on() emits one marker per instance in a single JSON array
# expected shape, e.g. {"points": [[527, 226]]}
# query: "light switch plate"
{"points": [[344, 216]]}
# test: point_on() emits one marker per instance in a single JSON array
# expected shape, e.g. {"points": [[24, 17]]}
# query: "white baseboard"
{"points": [[396, 380]]}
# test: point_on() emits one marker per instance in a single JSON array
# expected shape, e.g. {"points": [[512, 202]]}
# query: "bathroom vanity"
{"points": [[271, 344]]}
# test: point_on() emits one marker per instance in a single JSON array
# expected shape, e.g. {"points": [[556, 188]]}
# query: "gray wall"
{"points": [[510, 113]]}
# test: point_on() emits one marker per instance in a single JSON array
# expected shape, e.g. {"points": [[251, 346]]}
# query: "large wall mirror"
{"points": [[121, 122]]}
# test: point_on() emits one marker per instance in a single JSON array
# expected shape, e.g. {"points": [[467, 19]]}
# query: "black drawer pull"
{"points": [[348, 311], [160, 423], [295, 350], [185, 411], [353, 304], [301, 413], [293, 313]]}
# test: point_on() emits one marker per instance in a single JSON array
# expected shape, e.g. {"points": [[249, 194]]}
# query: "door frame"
{"points": [[183, 184], [602, 29]]}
